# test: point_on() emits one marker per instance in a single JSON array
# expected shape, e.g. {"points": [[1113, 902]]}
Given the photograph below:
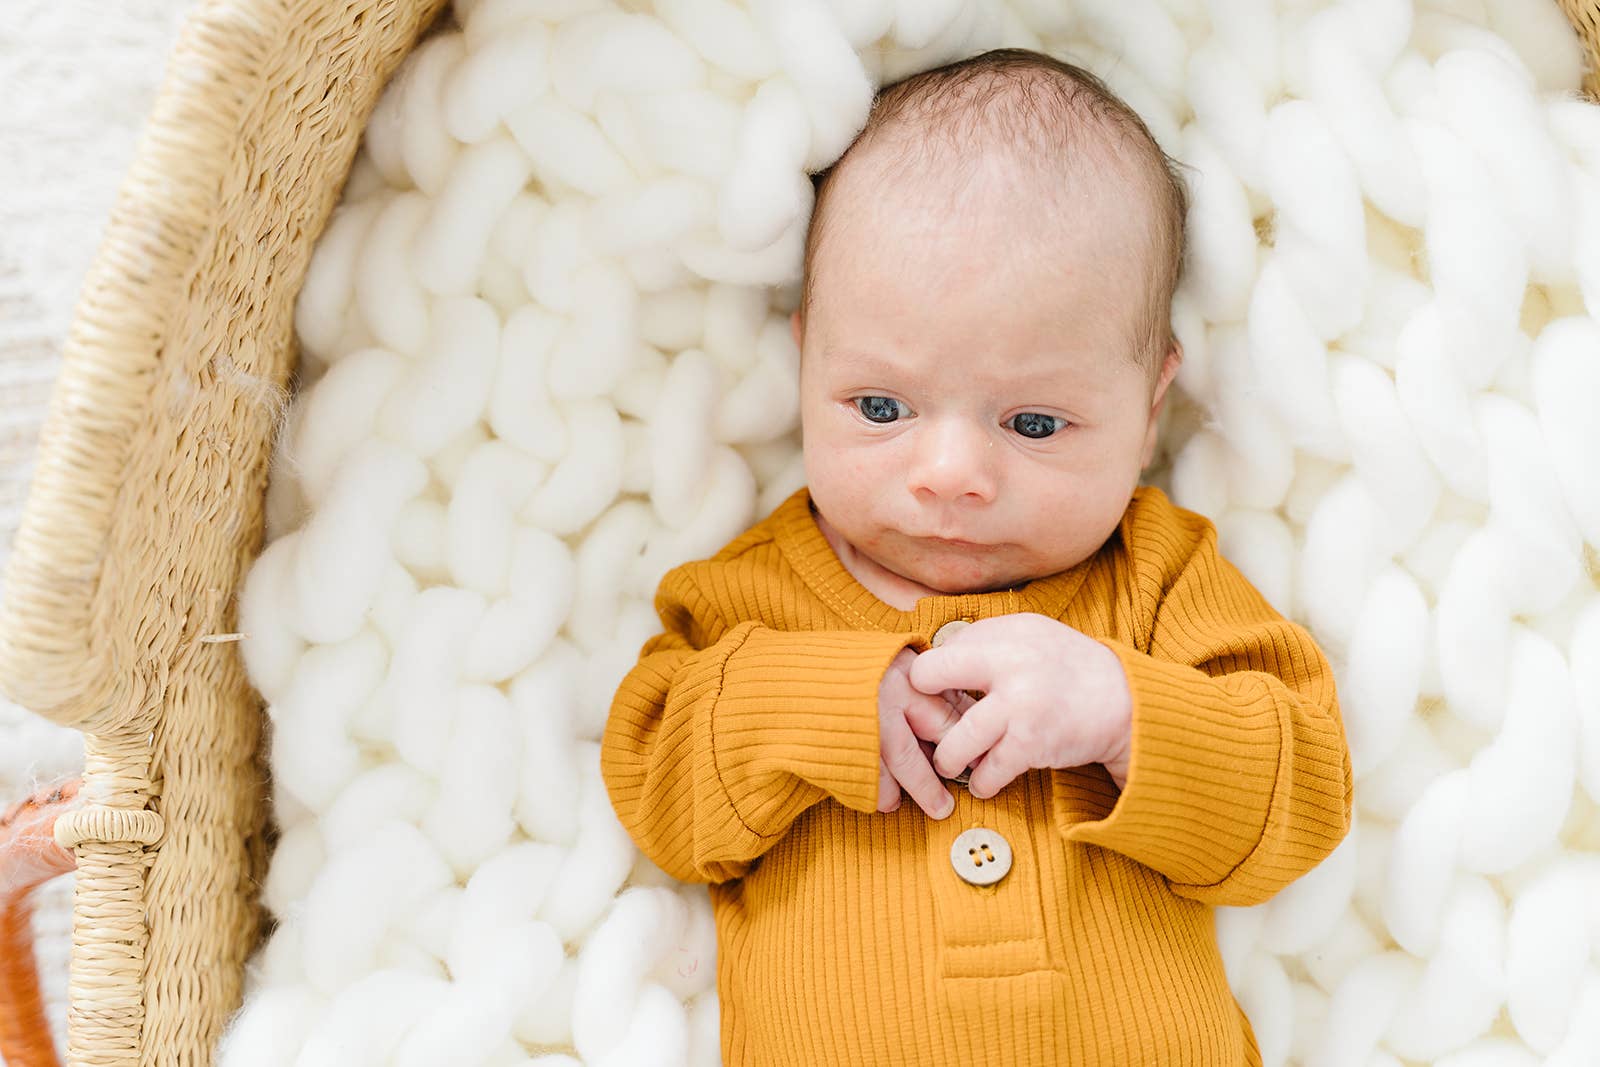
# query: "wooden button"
{"points": [[980, 856]]}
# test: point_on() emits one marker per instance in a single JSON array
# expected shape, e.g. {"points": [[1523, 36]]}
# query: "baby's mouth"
{"points": [[955, 542]]}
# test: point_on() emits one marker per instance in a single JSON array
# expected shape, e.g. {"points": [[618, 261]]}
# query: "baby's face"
{"points": [[972, 416]]}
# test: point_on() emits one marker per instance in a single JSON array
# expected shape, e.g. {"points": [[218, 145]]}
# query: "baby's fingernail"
{"points": [[946, 807]]}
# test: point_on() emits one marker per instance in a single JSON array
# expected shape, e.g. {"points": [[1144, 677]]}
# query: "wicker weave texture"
{"points": [[1585, 18], [147, 501]]}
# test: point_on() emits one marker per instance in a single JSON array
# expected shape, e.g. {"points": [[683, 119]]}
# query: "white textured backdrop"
{"points": [[78, 77]]}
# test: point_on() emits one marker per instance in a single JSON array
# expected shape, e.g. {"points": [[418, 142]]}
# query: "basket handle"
{"points": [[29, 857]]}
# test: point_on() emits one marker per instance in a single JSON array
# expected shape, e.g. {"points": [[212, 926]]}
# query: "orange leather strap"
{"points": [[29, 857]]}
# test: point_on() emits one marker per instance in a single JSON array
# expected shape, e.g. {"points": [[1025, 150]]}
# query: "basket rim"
{"points": [[68, 651], [54, 660], [145, 506]]}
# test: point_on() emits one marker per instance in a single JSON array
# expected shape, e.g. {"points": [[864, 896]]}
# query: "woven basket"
{"points": [[147, 501]]}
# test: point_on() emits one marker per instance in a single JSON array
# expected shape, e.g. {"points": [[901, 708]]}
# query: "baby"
{"points": [[1104, 728]]}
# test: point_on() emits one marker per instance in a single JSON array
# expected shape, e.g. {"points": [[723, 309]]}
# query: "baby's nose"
{"points": [[955, 461]]}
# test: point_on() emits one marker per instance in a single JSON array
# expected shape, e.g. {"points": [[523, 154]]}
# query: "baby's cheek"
{"points": [[844, 482], [1058, 537]]}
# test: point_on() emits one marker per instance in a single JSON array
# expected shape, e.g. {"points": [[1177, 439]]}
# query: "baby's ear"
{"points": [[798, 328], [1169, 370]]}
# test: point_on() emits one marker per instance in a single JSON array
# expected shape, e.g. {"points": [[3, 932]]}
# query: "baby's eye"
{"points": [[882, 408], [1036, 426]]}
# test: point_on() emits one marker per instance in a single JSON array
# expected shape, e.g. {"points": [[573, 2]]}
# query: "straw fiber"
{"points": [[146, 506], [1585, 17], [147, 502]]}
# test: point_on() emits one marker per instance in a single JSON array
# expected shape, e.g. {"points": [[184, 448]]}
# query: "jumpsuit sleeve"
{"points": [[720, 737], [1239, 778]]}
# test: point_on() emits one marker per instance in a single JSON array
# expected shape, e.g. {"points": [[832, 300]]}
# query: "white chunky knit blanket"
{"points": [[546, 359]]}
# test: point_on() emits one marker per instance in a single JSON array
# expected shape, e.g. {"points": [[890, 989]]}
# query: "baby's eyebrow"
{"points": [[855, 355], [1052, 372], [865, 362]]}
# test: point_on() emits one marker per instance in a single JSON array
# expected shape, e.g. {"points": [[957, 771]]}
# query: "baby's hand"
{"points": [[1053, 697], [906, 716]]}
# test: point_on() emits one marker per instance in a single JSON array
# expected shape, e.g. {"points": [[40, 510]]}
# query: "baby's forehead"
{"points": [[1019, 138], [1018, 142], [955, 176], [975, 195]]}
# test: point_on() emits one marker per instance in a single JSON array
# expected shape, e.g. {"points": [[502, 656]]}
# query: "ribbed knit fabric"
{"points": [[742, 750]]}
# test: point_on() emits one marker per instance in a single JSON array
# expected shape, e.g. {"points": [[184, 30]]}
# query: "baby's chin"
{"points": [[953, 570]]}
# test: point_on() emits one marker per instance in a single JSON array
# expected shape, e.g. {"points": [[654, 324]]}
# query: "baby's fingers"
{"points": [[954, 665], [888, 788], [997, 769], [980, 728], [930, 717], [903, 755]]}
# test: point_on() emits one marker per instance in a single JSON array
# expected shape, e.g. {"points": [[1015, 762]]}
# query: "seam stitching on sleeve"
{"points": [[716, 767], [1273, 806]]}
